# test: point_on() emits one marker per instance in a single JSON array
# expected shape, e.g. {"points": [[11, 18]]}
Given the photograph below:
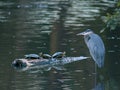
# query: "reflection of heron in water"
{"points": [[95, 46]]}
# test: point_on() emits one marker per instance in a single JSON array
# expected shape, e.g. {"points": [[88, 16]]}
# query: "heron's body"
{"points": [[95, 46]]}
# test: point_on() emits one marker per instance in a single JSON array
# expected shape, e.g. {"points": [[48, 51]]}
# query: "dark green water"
{"points": [[48, 26]]}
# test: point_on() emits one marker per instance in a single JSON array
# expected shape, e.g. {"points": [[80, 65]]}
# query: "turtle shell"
{"points": [[46, 56], [32, 56], [58, 55]]}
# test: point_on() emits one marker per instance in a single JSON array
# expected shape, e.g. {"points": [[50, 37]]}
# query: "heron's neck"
{"points": [[87, 38]]}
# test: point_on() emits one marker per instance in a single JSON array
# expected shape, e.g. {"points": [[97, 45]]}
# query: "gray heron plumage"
{"points": [[95, 46]]}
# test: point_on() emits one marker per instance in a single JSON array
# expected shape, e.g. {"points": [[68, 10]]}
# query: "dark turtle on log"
{"points": [[32, 56], [58, 55], [45, 56]]}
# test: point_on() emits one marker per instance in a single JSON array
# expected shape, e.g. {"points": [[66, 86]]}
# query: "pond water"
{"points": [[50, 26]]}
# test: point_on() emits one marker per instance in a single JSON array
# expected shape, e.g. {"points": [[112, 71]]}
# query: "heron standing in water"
{"points": [[95, 46]]}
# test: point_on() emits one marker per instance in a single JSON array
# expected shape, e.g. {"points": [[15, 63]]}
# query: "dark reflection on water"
{"points": [[48, 26], [53, 80]]}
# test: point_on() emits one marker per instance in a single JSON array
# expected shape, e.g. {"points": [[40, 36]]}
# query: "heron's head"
{"points": [[86, 32]]}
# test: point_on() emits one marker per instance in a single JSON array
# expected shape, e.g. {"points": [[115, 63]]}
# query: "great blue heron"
{"points": [[95, 46]]}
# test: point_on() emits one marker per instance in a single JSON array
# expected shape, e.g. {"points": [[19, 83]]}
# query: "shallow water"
{"points": [[40, 26]]}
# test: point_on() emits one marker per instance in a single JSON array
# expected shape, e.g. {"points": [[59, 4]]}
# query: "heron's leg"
{"points": [[95, 74]]}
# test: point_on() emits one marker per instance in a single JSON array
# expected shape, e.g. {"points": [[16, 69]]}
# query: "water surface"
{"points": [[49, 26]]}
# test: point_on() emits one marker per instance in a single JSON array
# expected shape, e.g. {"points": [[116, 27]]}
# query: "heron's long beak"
{"points": [[82, 33]]}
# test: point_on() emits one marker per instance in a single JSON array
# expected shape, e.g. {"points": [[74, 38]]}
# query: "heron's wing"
{"points": [[96, 48]]}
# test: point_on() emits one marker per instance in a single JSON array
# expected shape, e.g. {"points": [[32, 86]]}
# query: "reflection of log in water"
{"points": [[58, 30]]}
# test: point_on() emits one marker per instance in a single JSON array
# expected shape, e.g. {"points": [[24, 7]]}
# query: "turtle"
{"points": [[32, 56], [59, 55], [45, 56]]}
